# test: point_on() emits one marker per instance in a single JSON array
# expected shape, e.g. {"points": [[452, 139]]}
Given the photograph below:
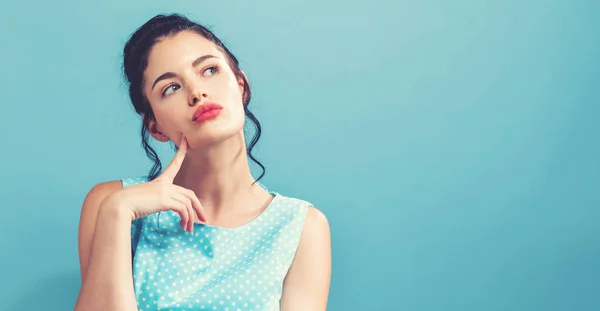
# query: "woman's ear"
{"points": [[241, 82], [155, 130]]}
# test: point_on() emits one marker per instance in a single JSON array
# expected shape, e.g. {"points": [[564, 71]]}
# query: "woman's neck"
{"points": [[219, 175]]}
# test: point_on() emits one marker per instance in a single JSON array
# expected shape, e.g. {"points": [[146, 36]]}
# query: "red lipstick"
{"points": [[206, 111]]}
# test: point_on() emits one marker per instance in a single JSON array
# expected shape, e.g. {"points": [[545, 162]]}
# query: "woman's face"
{"points": [[187, 71]]}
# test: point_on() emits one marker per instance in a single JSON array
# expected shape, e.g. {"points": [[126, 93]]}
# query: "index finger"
{"points": [[175, 164]]}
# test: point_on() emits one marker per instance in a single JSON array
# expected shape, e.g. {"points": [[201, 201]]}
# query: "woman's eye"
{"points": [[170, 89], [211, 71]]}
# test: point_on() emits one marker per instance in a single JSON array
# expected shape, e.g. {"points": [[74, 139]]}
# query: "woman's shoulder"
{"points": [[316, 223], [102, 189], [314, 219]]}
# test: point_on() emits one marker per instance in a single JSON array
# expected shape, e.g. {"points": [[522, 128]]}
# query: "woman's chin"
{"points": [[211, 137]]}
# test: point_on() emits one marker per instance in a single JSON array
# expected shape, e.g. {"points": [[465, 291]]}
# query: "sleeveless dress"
{"points": [[214, 268]]}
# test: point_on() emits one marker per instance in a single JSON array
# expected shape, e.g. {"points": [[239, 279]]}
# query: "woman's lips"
{"points": [[206, 111]]}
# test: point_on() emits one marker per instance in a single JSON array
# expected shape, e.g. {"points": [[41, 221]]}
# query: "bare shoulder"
{"points": [[316, 223], [306, 285], [94, 197], [87, 220], [316, 234], [102, 190], [96, 194]]}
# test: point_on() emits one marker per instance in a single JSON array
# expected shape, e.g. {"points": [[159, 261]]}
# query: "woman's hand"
{"points": [[161, 194]]}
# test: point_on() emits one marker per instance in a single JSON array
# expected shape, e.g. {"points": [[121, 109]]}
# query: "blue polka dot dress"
{"points": [[214, 268]]}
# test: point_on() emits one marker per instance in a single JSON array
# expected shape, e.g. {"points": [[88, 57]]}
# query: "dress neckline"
{"points": [[276, 196]]}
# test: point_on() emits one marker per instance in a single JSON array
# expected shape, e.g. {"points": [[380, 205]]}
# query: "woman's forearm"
{"points": [[108, 284]]}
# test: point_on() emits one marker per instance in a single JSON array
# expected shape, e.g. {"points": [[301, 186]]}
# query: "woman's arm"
{"points": [[105, 253], [87, 220], [306, 286]]}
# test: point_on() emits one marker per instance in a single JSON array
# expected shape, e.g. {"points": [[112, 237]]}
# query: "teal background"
{"points": [[453, 145]]}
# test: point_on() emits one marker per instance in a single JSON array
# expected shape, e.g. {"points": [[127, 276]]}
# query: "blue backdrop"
{"points": [[453, 145]]}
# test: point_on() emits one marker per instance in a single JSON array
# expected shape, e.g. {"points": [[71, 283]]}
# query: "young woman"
{"points": [[202, 234]]}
